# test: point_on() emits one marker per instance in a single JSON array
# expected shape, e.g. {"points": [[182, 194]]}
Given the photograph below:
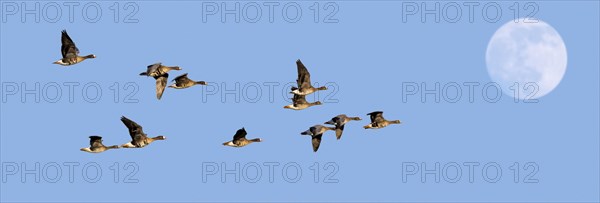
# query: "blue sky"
{"points": [[366, 57]]}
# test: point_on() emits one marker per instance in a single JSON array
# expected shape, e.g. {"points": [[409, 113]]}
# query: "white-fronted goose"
{"points": [[299, 103], [239, 139], [303, 81], [316, 132], [183, 81], [139, 139], [158, 69], [96, 145], [340, 121], [70, 52], [377, 120], [159, 73]]}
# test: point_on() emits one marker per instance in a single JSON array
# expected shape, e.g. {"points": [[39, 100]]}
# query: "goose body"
{"points": [[239, 139], [158, 69], [96, 145], [160, 73], [340, 121], [299, 102], [304, 85], [70, 52], [316, 132], [183, 81], [377, 121], [139, 139]]}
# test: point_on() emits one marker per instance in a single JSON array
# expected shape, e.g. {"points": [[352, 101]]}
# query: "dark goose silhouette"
{"points": [[299, 102], [159, 73], [303, 81], [139, 139], [96, 145], [377, 121], [70, 52], [316, 132], [183, 81], [239, 139], [340, 121]]}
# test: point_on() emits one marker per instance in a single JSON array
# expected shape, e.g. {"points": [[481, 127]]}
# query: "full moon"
{"points": [[527, 59]]}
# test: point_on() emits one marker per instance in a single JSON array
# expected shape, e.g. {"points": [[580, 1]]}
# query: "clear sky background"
{"points": [[367, 55]]}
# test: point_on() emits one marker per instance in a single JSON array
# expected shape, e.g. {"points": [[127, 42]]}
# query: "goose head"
{"points": [[306, 133]]}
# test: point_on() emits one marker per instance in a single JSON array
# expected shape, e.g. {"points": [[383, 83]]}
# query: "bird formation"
{"points": [[160, 73], [139, 139], [304, 88], [339, 121]]}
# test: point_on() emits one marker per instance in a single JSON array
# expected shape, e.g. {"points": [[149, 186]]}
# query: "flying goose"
{"points": [[340, 121], [96, 145], [139, 139], [159, 73], [70, 53], [158, 69], [303, 81], [299, 102], [377, 120], [183, 81], [316, 132], [239, 139]]}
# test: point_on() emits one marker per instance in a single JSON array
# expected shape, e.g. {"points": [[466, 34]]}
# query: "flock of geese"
{"points": [[139, 139]]}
